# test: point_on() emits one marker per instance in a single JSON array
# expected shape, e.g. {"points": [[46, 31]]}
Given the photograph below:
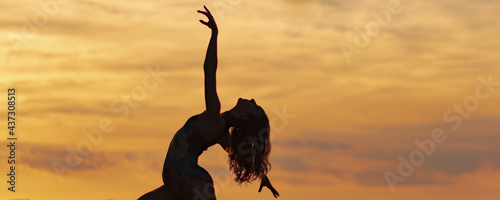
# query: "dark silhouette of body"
{"points": [[242, 131]]}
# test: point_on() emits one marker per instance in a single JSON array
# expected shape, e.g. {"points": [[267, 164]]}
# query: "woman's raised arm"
{"points": [[212, 102]]}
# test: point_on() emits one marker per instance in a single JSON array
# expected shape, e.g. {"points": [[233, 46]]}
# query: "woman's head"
{"points": [[250, 143], [244, 108]]}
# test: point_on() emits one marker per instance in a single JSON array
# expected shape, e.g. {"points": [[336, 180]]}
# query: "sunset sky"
{"points": [[415, 94]]}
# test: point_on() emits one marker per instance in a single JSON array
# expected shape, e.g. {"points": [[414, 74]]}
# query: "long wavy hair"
{"points": [[250, 147]]}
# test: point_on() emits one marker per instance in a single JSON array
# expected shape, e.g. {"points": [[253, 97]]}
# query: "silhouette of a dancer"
{"points": [[242, 131]]}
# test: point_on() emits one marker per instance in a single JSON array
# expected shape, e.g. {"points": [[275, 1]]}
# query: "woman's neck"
{"points": [[230, 119]]}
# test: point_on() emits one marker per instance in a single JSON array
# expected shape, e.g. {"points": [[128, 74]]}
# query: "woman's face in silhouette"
{"points": [[246, 106]]}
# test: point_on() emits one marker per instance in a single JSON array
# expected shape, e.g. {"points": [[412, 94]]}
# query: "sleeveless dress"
{"points": [[181, 162]]}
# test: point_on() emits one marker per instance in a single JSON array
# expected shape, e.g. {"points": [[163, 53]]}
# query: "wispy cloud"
{"points": [[352, 120]]}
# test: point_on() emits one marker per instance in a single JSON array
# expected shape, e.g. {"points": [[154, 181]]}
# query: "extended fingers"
{"points": [[203, 22], [275, 193], [208, 11], [208, 15], [203, 12]]}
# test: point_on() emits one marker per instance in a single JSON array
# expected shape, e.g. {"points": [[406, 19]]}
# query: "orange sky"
{"points": [[349, 119]]}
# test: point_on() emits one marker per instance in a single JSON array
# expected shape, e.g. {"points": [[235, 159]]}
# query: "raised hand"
{"points": [[211, 21], [265, 182]]}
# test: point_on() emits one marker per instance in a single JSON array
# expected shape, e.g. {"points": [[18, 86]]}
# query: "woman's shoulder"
{"points": [[197, 117], [210, 129]]}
